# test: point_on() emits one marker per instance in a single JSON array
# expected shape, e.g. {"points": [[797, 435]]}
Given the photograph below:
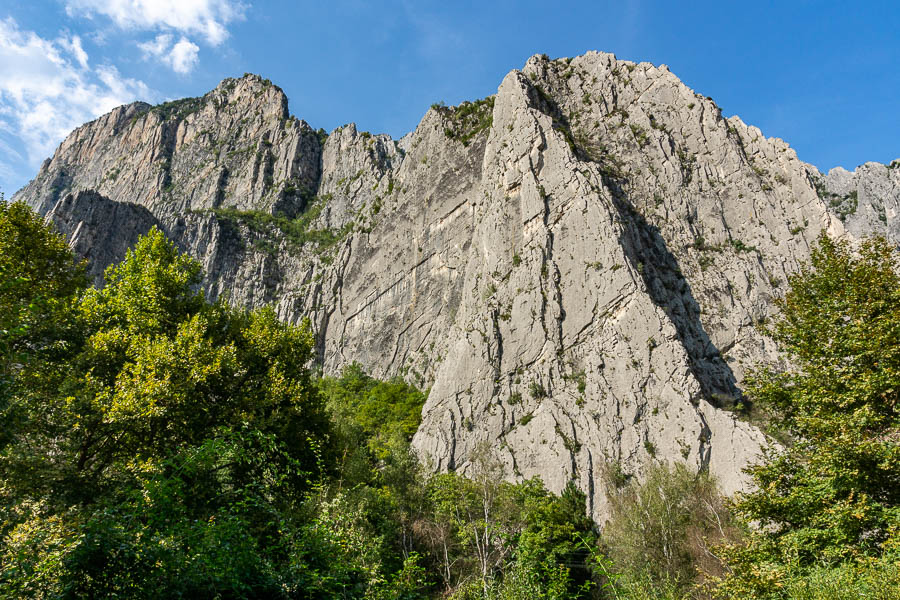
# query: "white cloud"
{"points": [[206, 18], [73, 45], [182, 56], [158, 46], [47, 88]]}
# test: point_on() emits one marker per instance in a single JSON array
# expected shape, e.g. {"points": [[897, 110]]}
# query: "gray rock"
{"points": [[236, 147], [575, 267], [866, 200], [99, 229]]}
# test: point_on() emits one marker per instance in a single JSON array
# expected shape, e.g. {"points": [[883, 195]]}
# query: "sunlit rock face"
{"points": [[576, 267]]}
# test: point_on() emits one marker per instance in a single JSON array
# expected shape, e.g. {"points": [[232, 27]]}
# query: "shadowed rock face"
{"points": [[99, 229], [575, 267]]}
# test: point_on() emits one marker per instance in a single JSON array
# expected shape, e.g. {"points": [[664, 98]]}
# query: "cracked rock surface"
{"points": [[576, 267]]}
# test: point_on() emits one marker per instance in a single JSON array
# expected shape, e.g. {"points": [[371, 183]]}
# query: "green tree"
{"points": [[377, 415], [373, 423], [161, 369], [39, 283], [495, 539], [831, 499], [170, 449], [660, 531]]}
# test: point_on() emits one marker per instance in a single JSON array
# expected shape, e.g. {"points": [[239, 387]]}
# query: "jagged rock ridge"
{"points": [[575, 266]]}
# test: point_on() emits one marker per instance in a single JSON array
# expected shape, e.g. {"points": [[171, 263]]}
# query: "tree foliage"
{"points": [[494, 539], [172, 429], [831, 499], [661, 531], [39, 282], [376, 415], [159, 369]]}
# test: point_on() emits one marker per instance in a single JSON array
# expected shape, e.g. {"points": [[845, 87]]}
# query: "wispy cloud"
{"points": [[435, 37], [157, 46], [181, 57], [48, 87], [206, 18], [73, 46]]}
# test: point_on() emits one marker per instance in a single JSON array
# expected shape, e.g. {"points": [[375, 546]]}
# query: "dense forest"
{"points": [[154, 444]]}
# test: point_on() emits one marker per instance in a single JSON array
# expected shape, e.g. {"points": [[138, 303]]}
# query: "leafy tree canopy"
{"points": [[173, 427], [39, 281], [832, 497], [372, 412]]}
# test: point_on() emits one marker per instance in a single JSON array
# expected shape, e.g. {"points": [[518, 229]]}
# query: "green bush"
{"points": [[297, 231], [661, 530], [468, 119]]}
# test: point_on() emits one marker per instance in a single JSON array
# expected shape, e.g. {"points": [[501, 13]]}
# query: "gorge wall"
{"points": [[576, 266]]}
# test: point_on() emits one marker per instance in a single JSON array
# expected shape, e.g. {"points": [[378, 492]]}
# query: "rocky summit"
{"points": [[577, 266]]}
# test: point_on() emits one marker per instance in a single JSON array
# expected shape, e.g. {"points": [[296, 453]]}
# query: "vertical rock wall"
{"points": [[575, 266]]}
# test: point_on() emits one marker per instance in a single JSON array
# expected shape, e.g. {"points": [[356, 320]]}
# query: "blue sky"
{"points": [[821, 75]]}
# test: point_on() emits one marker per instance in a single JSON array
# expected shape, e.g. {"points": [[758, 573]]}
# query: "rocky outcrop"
{"points": [[576, 266], [236, 147], [866, 200], [85, 218]]}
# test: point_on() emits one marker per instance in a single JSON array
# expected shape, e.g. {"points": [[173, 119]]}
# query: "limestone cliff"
{"points": [[867, 200], [576, 266]]}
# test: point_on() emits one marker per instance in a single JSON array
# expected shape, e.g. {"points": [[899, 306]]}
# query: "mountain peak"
{"points": [[576, 266]]}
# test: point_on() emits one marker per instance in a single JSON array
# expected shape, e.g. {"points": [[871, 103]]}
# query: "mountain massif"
{"points": [[577, 267]]}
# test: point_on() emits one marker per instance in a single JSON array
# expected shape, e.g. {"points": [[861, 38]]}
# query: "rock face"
{"points": [[575, 266], [85, 219], [867, 200], [192, 154]]}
